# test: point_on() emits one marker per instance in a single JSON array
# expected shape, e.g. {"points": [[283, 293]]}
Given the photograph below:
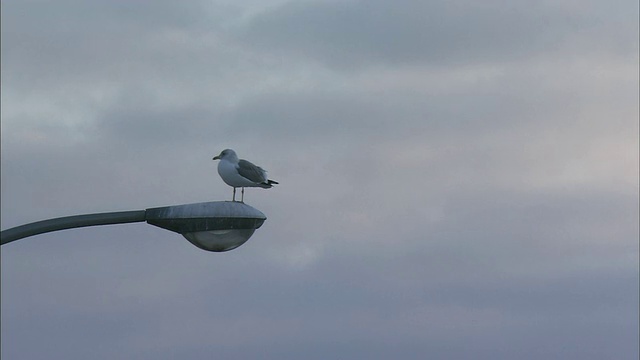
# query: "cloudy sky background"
{"points": [[458, 180]]}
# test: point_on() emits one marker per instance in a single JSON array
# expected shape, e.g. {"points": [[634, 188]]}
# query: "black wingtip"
{"points": [[268, 184]]}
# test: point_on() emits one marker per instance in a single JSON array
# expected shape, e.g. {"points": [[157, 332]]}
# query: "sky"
{"points": [[458, 180]]}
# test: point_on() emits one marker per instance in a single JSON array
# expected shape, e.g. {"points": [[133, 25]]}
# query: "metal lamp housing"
{"points": [[214, 226]]}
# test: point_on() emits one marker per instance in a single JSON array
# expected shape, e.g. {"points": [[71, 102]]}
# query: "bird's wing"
{"points": [[252, 172]]}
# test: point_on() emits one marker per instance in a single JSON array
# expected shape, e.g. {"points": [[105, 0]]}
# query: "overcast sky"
{"points": [[458, 179]]}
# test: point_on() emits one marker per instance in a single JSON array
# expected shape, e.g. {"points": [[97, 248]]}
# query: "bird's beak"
{"points": [[216, 158]]}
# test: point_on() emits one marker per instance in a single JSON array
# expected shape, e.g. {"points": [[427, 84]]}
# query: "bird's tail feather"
{"points": [[268, 184]]}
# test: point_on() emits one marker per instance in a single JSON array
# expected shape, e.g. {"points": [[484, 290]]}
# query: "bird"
{"points": [[240, 173]]}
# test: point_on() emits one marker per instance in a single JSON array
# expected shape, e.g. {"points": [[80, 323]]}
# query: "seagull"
{"points": [[240, 173]]}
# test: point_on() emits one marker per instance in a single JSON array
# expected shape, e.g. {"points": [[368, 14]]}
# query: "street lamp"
{"points": [[214, 226]]}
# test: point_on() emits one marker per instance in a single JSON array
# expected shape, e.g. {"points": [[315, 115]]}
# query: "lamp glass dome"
{"points": [[219, 240]]}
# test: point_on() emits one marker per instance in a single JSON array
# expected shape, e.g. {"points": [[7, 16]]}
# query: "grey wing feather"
{"points": [[252, 172]]}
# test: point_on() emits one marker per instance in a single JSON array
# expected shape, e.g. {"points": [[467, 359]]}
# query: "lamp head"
{"points": [[214, 226]]}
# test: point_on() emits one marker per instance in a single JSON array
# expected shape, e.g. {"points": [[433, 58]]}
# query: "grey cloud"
{"points": [[356, 33], [484, 207], [240, 304], [136, 121], [107, 43]]}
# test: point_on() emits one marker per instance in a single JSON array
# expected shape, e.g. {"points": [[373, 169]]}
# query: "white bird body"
{"points": [[228, 171], [239, 173]]}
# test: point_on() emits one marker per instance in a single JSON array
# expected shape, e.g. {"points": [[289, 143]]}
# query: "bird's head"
{"points": [[226, 154]]}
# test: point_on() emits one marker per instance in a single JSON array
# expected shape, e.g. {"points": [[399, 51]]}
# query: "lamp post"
{"points": [[214, 226]]}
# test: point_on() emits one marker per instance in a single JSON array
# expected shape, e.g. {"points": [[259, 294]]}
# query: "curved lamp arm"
{"points": [[214, 226], [69, 222]]}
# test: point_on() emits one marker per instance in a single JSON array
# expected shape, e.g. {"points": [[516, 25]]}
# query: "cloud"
{"points": [[455, 179], [358, 34]]}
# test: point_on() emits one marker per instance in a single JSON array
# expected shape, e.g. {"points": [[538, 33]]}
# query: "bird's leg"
{"points": [[234, 193], [242, 196]]}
